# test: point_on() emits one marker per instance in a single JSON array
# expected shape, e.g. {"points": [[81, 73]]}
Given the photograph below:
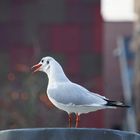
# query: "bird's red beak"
{"points": [[36, 67]]}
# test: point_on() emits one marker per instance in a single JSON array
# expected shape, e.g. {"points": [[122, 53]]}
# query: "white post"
{"points": [[127, 89]]}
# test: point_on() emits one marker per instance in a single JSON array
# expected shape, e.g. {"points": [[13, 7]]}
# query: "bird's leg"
{"points": [[70, 120], [77, 120]]}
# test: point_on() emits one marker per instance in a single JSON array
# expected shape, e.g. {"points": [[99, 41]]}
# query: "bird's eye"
{"points": [[47, 62], [42, 61]]}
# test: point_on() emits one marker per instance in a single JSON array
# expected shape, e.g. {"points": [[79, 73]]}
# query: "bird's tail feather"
{"points": [[116, 104]]}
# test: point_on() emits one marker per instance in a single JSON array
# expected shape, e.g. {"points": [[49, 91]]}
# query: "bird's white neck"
{"points": [[56, 74]]}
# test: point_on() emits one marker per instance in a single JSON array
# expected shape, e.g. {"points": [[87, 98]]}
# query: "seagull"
{"points": [[68, 96]]}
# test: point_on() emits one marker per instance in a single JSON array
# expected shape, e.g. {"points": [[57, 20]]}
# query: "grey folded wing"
{"points": [[71, 93]]}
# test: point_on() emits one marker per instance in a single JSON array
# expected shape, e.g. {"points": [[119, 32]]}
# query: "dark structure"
{"points": [[67, 134]]}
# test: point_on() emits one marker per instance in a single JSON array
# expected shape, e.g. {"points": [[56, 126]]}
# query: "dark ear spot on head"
{"points": [[47, 61]]}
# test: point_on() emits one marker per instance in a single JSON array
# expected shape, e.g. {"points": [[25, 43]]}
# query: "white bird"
{"points": [[69, 96]]}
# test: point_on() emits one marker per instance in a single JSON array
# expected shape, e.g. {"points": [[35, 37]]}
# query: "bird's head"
{"points": [[52, 68], [44, 65]]}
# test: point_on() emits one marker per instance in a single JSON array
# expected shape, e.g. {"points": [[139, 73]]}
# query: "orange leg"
{"points": [[70, 120], [77, 120]]}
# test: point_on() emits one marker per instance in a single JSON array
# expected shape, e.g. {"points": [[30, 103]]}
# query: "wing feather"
{"points": [[71, 93]]}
